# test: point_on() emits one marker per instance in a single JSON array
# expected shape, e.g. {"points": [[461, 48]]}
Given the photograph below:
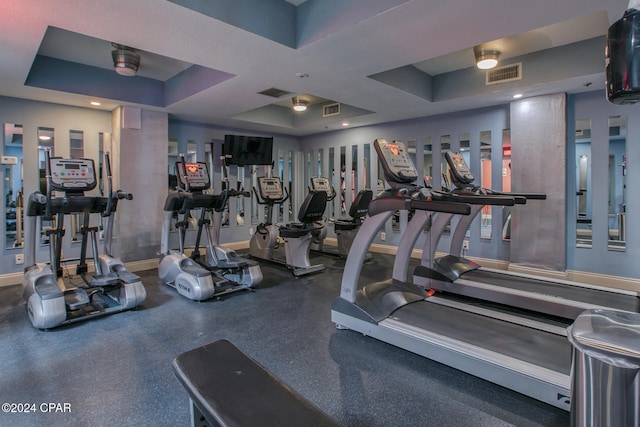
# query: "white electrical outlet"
{"points": [[250, 231], [383, 236], [19, 259], [465, 245]]}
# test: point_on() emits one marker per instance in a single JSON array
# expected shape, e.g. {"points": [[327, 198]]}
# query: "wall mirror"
{"points": [[76, 151], [427, 154], [255, 210], [464, 140], [332, 180], [343, 183], [225, 171], [310, 167], [46, 142], [319, 162], [412, 150], [280, 207], [506, 182], [583, 183], [103, 140], [366, 166], [485, 181], [354, 173], [427, 169], [293, 215], [445, 145], [14, 201], [76, 144], [173, 159], [617, 182], [240, 205]]}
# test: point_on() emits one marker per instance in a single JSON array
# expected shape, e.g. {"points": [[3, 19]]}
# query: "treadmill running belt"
{"points": [[520, 342], [574, 293]]}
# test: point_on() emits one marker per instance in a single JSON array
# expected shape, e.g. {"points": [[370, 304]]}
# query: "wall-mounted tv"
{"points": [[248, 150]]}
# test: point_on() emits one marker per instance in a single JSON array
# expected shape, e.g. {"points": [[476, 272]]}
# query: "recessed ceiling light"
{"points": [[96, 103], [517, 95], [345, 123]]}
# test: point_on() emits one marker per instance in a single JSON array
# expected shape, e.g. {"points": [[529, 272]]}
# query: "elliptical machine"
{"points": [[345, 228], [221, 270], [297, 236], [51, 300]]}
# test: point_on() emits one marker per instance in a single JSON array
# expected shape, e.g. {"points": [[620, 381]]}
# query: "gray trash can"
{"points": [[606, 365]]}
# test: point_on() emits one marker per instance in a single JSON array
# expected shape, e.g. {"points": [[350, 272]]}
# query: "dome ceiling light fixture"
{"points": [[485, 58], [299, 104], [126, 60]]}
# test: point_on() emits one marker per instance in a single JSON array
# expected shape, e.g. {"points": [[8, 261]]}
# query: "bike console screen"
{"points": [[321, 184], [270, 188]]}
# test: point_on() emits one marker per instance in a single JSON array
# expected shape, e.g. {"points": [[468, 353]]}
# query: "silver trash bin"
{"points": [[606, 364]]}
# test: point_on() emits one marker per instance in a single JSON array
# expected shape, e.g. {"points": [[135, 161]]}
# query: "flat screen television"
{"points": [[248, 150]]}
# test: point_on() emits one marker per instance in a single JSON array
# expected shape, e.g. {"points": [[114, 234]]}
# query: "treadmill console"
{"points": [[396, 163], [73, 175], [460, 172], [193, 176], [321, 184], [270, 188]]}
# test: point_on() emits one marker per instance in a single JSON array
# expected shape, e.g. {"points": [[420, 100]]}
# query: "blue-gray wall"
{"points": [[305, 151]]}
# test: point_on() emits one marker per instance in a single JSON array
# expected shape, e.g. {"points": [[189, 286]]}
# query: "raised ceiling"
{"points": [[382, 60]]}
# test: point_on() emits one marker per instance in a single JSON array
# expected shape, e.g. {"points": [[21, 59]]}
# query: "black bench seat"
{"points": [[228, 388]]}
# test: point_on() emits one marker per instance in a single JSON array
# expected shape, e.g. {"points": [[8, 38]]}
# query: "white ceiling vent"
{"points": [[504, 74], [330, 110]]}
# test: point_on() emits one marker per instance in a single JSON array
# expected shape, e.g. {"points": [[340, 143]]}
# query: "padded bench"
{"points": [[228, 388]]}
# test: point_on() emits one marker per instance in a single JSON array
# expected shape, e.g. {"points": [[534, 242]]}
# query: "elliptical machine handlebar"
{"points": [[111, 198], [47, 174]]}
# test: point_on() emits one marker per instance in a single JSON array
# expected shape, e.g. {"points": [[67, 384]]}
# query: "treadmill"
{"points": [[515, 349], [455, 274]]}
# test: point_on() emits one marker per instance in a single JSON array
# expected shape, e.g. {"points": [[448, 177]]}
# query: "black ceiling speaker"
{"points": [[623, 59]]}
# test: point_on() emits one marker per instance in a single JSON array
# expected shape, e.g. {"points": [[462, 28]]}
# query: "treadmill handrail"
{"points": [[476, 199]]}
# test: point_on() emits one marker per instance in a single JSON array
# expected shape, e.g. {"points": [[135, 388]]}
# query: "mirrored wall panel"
{"points": [[427, 170], [76, 151], [46, 142], [332, 180], [485, 181], [366, 166], [617, 182], [464, 141], [583, 183], [240, 201], [14, 201], [506, 182], [427, 153], [343, 181]]}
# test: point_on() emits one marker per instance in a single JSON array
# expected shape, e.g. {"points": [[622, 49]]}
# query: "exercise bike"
{"points": [[53, 297], [297, 236], [220, 270], [345, 228]]}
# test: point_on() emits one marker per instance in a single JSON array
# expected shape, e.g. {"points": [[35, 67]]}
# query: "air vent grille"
{"points": [[504, 74], [274, 92], [330, 110]]}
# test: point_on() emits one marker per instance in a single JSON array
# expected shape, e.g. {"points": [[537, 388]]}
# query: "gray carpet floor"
{"points": [[116, 370]]}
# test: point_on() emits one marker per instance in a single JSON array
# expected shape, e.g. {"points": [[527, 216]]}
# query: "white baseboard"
{"points": [[11, 279], [604, 280]]}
